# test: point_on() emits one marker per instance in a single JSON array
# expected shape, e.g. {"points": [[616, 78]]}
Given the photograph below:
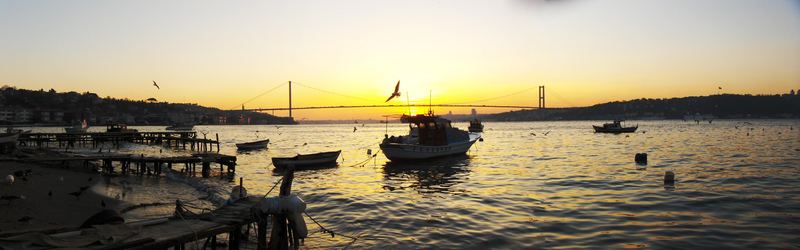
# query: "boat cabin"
{"points": [[433, 130], [615, 124]]}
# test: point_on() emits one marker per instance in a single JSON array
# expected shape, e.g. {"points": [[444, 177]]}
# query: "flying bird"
{"points": [[396, 92], [156, 85], [354, 129], [719, 88]]}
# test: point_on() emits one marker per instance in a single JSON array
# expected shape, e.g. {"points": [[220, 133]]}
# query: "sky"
{"points": [[352, 52]]}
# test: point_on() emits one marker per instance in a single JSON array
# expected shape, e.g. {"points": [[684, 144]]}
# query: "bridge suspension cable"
{"points": [[260, 95], [497, 97], [334, 93]]}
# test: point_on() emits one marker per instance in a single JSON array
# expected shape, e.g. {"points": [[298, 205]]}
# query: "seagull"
{"points": [[396, 92], [354, 129], [156, 84]]}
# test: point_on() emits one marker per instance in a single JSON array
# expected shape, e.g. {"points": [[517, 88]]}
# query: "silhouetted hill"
{"points": [[21, 106], [699, 107]]}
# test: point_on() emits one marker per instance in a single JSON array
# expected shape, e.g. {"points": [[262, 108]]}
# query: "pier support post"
{"points": [[279, 238], [206, 169]]}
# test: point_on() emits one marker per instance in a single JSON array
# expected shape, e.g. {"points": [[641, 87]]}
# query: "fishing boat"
{"points": [[430, 136], [181, 127], [475, 126], [77, 128], [252, 145], [307, 161], [119, 128], [614, 128]]}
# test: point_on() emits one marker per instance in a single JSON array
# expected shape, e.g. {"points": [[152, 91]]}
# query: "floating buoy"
{"points": [[669, 178], [238, 192], [641, 158], [10, 179], [369, 151]]}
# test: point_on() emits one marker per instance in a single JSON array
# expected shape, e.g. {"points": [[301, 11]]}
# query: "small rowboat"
{"points": [[309, 161], [252, 145]]}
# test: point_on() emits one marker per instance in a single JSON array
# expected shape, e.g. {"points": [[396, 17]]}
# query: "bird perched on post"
{"points": [[156, 85], [396, 92]]}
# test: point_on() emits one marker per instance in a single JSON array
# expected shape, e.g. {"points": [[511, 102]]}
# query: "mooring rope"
{"points": [[328, 231]]}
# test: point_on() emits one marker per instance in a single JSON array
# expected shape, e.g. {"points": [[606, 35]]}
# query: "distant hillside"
{"points": [[700, 107], [21, 106]]}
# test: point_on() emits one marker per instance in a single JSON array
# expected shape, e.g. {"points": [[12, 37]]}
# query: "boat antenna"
{"points": [[430, 102], [408, 102]]}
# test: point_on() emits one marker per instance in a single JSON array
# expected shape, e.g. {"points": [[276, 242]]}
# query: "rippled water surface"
{"points": [[548, 185]]}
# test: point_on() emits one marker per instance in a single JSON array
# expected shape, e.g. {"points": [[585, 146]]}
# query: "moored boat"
{"points": [[181, 127], [119, 128], [430, 136], [10, 138], [475, 126], [77, 128], [307, 161], [252, 145], [614, 128]]}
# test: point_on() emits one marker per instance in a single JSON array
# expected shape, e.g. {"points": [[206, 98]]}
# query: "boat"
{"points": [[475, 126], [181, 127], [614, 128], [119, 128], [430, 136], [252, 145], [9, 138], [307, 161], [77, 128]]}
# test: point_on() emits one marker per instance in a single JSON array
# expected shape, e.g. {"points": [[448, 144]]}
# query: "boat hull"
{"points": [[311, 161], [412, 152], [598, 129], [252, 145], [8, 138]]}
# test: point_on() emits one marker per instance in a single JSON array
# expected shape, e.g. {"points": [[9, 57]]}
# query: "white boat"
{"points": [[77, 128], [309, 161], [181, 127], [252, 145], [429, 137], [8, 138]]}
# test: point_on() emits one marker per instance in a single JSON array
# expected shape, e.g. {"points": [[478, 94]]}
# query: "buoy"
{"points": [[669, 178], [641, 158], [238, 192], [369, 151], [10, 179]]}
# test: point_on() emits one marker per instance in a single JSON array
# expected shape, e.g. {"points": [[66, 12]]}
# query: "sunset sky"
{"points": [[222, 53]]}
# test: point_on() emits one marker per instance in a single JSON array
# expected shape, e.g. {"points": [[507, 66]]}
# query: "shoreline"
{"points": [[53, 200], [52, 197]]}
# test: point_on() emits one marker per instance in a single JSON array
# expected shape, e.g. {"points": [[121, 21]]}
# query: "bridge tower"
{"points": [[541, 97], [290, 100]]}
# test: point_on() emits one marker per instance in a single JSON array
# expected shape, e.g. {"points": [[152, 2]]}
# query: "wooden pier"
{"points": [[186, 140], [149, 165]]}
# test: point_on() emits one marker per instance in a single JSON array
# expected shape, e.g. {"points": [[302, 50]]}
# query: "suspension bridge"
{"points": [[290, 108]]}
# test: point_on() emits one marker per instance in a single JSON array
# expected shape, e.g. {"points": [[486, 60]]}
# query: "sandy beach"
{"points": [[48, 202]]}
